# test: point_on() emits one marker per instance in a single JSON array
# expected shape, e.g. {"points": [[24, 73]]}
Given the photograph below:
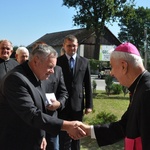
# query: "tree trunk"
{"points": [[97, 48]]}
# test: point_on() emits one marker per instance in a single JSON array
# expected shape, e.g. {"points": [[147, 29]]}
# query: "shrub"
{"points": [[103, 118], [109, 83], [94, 84], [94, 65], [116, 88]]}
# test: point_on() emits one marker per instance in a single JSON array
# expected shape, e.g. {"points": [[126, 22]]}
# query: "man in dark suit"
{"points": [[55, 84], [77, 78], [23, 117], [6, 63]]}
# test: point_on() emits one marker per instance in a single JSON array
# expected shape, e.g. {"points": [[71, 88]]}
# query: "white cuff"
{"points": [[92, 133]]}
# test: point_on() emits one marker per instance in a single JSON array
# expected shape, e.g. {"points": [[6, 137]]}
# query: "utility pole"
{"points": [[145, 46]]}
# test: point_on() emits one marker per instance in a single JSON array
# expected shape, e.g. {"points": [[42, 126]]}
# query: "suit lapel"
{"points": [[66, 65], [31, 77], [42, 95], [77, 66]]}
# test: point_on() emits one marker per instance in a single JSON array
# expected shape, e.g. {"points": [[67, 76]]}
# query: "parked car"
{"points": [[105, 71]]}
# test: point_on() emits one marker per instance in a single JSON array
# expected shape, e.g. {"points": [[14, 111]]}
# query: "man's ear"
{"points": [[35, 59], [124, 66]]}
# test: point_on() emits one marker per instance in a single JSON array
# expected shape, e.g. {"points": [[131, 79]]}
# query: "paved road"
{"points": [[100, 82]]}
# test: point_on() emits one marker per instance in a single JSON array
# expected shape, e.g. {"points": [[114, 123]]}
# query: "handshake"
{"points": [[76, 129]]}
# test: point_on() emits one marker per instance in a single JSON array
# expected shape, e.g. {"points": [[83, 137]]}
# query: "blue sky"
{"points": [[23, 22]]}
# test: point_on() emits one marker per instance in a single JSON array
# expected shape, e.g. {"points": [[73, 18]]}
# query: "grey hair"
{"points": [[131, 58], [43, 51], [21, 49], [5, 40]]}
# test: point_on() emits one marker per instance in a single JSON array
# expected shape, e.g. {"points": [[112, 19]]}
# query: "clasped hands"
{"points": [[77, 129]]}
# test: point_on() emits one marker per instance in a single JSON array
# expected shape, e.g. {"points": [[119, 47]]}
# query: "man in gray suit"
{"points": [[23, 118], [55, 85], [77, 78]]}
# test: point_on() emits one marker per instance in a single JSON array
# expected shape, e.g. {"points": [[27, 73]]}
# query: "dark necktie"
{"points": [[71, 65]]}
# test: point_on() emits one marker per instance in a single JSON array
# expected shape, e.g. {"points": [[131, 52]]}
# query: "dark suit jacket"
{"points": [[55, 84], [23, 117], [79, 88], [134, 124], [6, 66]]}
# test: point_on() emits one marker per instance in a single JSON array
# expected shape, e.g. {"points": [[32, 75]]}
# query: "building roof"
{"points": [[56, 38]]}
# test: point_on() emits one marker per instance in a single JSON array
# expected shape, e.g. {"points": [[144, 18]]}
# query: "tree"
{"points": [[132, 28], [109, 84], [94, 14], [14, 52], [94, 84]]}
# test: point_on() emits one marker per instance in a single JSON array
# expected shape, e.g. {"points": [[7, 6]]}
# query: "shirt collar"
{"points": [[73, 56]]}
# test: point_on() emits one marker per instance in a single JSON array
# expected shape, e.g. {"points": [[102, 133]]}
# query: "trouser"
{"points": [[52, 142], [66, 143]]}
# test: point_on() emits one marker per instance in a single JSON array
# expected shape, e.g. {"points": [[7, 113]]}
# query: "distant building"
{"points": [[85, 38]]}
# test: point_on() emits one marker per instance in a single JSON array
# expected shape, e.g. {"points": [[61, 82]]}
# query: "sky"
{"points": [[23, 22]]}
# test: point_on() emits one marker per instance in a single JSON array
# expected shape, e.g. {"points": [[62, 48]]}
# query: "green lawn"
{"points": [[114, 104]]}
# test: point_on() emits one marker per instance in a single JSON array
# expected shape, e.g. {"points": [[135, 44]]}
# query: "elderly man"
{"points": [[23, 118], [22, 54], [6, 63], [134, 126]]}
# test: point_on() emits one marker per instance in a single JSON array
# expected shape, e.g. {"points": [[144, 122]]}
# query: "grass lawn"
{"points": [[114, 104]]}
